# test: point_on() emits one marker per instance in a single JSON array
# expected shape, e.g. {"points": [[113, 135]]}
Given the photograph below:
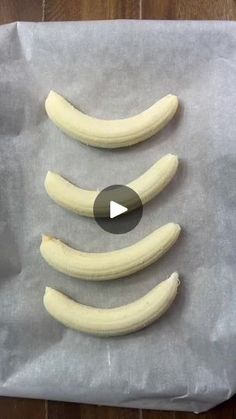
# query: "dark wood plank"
{"points": [[14, 408], [101, 412], [60, 410], [90, 9], [190, 9], [156, 414], [12, 10]]}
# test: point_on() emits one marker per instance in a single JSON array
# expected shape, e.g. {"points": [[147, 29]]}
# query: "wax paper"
{"points": [[186, 360]]}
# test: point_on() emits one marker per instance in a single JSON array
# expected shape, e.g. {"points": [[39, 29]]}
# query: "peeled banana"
{"points": [[113, 321], [110, 265], [81, 201], [110, 133]]}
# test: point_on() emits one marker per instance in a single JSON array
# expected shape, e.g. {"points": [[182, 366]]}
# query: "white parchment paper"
{"points": [[186, 360]]}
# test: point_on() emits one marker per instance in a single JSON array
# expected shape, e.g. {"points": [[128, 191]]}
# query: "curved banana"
{"points": [[110, 265], [81, 201], [113, 321], [110, 133]]}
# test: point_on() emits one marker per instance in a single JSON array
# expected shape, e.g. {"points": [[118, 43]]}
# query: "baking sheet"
{"points": [[186, 360]]}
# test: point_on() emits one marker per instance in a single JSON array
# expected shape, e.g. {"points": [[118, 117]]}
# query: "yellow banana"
{"points": [[81, 201], [113, 321], [110, 265], [110, 133]]}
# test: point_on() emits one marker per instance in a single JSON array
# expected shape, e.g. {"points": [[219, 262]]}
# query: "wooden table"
{"points": [[51, 10]]}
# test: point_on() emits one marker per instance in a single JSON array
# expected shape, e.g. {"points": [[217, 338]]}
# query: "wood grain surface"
{"points": [[11, 10], [189, 9], [91, 10], [51, 10]]}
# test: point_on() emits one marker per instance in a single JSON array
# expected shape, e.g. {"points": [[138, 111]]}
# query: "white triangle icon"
{"points": [[116, 209]]}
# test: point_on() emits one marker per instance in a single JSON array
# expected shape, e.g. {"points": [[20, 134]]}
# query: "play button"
{"points": [[118, 209]]}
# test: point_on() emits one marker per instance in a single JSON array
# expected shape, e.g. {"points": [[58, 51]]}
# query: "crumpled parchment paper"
{"points": [[186, 360]]}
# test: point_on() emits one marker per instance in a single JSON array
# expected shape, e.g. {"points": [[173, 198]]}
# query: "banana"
{"points": [[110, 265], [81, 201], [110, 133], [113, 321]]}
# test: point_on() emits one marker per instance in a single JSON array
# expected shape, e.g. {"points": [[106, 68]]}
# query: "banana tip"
{"points": [[173, 96], [47, 290], [178, 228], [172, 156], [46, 296], [175, 277], [51, 95], [47, 177], [50, 176], [174, 99], [46, 238]]}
